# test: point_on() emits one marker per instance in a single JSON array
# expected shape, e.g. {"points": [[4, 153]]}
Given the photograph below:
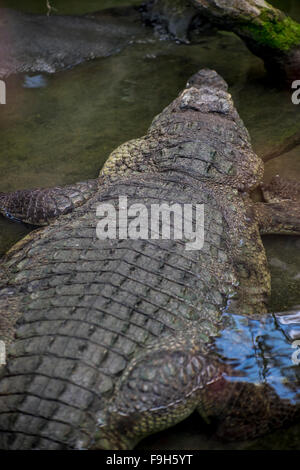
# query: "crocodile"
{"points": [[111, 340]]}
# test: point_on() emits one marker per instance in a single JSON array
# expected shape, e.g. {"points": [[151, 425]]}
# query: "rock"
{"points": [[267, 31], [40, 43]]}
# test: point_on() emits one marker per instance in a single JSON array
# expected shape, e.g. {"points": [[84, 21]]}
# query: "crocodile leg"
{"points": [[281, 189], [281, 212], [159, 389], [40, 206], [278, 217]]}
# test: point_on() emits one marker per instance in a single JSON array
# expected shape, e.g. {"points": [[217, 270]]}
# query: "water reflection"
{"points": [[261, 351], [35, 81]]}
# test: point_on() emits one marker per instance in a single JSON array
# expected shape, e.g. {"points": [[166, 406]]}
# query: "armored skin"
{"points": [[111, 340]]}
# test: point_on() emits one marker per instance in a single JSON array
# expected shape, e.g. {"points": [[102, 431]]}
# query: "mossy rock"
{"points": [[273, 30]]}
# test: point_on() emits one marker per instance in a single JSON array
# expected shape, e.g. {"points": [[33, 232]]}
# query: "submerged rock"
{"points": [[40, 43], [173, 16]]}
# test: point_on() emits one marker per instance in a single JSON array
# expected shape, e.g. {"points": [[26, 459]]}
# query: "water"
{"points": [[65, 7], [58, 129], [262, 351]]}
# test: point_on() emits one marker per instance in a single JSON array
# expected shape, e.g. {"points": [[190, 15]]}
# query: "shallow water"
{"points": [[58, 129], [65, 7]]}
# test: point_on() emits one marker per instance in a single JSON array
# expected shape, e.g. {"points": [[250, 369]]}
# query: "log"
{"points": [[268, 32]]}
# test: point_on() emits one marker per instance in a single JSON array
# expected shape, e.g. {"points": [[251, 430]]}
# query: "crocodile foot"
{"points": [[280, 214]]}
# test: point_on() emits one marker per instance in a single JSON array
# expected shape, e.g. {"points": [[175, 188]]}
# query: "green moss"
{"points": [[281, 33]]}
